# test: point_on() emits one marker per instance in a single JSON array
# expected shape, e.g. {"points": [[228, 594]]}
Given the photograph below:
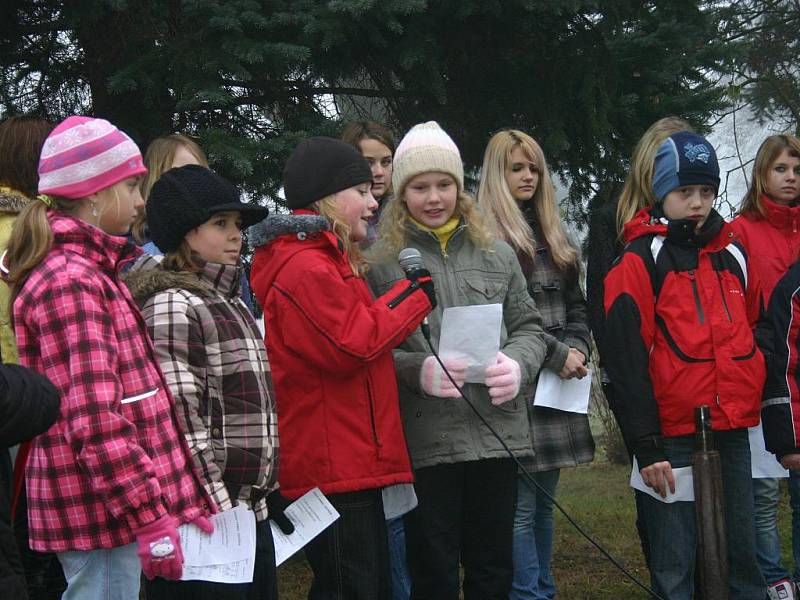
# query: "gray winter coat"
{"points": [[445, 430]]}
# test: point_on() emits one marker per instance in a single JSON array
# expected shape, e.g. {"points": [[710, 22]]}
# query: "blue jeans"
{"points": [[766, 493], [102, 574], [794, 502], [671, 527], [401, 580], [533, 539], [350, 559]]}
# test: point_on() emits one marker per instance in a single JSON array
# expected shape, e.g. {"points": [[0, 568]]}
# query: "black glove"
{"points": [[422, 278], [276, 504]]}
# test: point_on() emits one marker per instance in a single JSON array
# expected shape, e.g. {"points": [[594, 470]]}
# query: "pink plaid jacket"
{"points": [[114, 460]]}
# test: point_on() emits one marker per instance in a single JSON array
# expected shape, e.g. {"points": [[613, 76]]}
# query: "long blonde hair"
{"points": [[503, 213], [328, 208], [31, 239], [638, 190], [393, 226], [769, 151], [158, 159]]}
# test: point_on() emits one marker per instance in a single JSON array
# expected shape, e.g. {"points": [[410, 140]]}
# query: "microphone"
{"points": [[410, 261]]}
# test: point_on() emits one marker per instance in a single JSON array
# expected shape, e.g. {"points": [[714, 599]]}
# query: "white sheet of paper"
{"points": [[684, 484], [225, 556], [311, 514], [471, 333], [571, 395], [762, 462]]}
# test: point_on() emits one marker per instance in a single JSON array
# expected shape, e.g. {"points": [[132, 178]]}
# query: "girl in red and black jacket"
{"points": [[680, 306], [330, 348]]}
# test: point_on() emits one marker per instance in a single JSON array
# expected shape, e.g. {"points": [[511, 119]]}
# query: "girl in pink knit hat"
{"points": [[109, 483]]}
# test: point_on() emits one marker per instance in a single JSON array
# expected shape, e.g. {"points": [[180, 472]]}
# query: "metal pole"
{"points": [[712, 546]]}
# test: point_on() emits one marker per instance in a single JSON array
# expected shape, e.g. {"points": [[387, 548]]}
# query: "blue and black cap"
{"points": [[684, 158]]}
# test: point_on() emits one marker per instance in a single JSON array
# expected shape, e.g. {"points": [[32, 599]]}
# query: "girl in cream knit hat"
{"points": [[463, 474]]}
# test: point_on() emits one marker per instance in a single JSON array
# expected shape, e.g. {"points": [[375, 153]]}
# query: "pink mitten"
{"points": [[160, 548], [503, 379], [435, 382]]}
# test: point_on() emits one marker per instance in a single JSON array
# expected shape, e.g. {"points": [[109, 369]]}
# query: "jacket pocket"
{"points": [[485, 289], [371, 405]]}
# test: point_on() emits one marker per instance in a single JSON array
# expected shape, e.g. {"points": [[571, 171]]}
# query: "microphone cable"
{"points": [[533, 485]]}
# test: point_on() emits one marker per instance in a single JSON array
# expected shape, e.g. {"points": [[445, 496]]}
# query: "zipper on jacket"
{"points": [[696, 295], [724, 302], [403, 295], [372, 415]]}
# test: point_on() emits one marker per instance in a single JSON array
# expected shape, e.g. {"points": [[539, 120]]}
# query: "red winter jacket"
{"points": [[330, 347], [773, 243], [680, 309]]}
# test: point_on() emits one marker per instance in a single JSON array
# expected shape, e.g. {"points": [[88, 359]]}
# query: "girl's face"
{"points": [[183, 157], [783, 178], [522, 176], [356, 204], [690, 202], [218, 240], [431, 198], [117, 206], [379, 157]]}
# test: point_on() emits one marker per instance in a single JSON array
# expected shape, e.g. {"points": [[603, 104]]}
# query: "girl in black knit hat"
{"points": [[330, 346], [209, 348]]}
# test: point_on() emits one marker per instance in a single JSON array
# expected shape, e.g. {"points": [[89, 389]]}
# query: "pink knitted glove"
{"points": [[434, 381], [503, 379], [160, 548]]}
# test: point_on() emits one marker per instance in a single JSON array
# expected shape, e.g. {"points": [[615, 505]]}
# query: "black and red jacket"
{"points": [[680, 309], [780, 410]]}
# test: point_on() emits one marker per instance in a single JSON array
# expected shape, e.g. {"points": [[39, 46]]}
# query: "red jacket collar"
{"points": [[779, 215]]}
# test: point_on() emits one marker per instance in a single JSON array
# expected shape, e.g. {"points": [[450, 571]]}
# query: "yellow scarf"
{"points": [[443, 233]]}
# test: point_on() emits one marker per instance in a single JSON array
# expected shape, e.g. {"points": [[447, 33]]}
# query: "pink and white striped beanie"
{"points": [[425, 148], [83, 155]]}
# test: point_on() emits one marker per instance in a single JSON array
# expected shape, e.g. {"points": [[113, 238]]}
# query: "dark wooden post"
{"points": [[712, 545]]}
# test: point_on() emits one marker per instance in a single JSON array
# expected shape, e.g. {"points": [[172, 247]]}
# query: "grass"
{"points": [[598, 497]]}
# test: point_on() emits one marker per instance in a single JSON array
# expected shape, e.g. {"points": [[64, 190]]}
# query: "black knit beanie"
{"points": [[187, 197], [319, 167]]}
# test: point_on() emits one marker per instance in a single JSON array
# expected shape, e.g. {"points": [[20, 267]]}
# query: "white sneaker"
{"points": [[783, 590]]}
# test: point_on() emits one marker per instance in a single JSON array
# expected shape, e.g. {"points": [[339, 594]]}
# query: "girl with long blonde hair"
{"points": [[460, 468], [114, 472], [518, 198], [330, 348]]}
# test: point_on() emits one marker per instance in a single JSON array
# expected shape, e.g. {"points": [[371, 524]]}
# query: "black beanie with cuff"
{"points": [[319, 167]]}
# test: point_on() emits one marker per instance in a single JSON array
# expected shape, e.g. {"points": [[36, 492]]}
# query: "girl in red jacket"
{"points": [[330, 348], [109, 483], [768, 225], [680, 306]]}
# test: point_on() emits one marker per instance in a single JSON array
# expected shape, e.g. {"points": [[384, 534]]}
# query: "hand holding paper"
{"points": [[574, 366], [434, 380], [503, 379], [658, 476]]}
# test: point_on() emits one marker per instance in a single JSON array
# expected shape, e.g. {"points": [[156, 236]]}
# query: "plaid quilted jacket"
{"points": [[215, 363], [114, 460], [560, 439]]}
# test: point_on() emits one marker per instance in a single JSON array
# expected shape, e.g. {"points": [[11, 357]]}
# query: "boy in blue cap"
{"points": [[681, 303]]}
